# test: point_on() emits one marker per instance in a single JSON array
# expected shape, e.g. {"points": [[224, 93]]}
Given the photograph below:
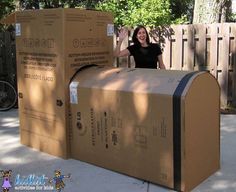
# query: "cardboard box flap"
{"points": [[9, 19]]}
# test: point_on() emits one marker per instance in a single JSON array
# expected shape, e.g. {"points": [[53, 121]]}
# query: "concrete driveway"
{"points": [[25, 162]]}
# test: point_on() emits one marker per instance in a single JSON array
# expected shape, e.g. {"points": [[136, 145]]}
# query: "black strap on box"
{"points": [[177, 128]]}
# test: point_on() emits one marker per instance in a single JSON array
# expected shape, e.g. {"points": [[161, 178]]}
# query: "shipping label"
{"points": [[74, 93], [110, 29], [18, 29]]}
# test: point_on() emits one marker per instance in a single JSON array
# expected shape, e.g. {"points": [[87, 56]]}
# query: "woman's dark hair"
{"points": [[134, 37]]}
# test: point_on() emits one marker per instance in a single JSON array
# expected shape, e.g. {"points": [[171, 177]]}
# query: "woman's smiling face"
{"points": [[142, 36]]}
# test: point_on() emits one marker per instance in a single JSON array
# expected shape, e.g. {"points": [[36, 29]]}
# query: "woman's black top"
{"points": [[145, 57]]}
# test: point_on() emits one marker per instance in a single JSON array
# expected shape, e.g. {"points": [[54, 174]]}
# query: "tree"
{"points": [[45, 4], [211, 11], [126, 12], [182, 11], [130, 13]]}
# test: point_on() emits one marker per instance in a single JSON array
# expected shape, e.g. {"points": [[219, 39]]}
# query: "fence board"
{"points": [[233, 64], [177, 48], [116, 60], [7, 53], [8, 59], [2, 53], [189, 61], [234, 83], [1, 65], [168, 51], [213, 49], [225, 64], [200, 51]]}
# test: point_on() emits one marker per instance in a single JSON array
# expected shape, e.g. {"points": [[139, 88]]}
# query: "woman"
{"points": [[146, 54]]}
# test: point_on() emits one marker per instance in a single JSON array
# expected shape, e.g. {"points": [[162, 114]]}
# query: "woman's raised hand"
{"points": [[123, 33]]}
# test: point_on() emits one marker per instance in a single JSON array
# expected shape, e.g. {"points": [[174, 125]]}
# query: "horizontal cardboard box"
{"points": [[51, 44], [158, 125]]}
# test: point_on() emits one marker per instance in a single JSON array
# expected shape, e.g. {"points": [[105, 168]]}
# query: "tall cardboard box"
{"points": [[51, 45], [157, 125]]}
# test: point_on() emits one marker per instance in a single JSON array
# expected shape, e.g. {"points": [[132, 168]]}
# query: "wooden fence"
{"points": [[199, 47], [7, 53], [185, 47]]}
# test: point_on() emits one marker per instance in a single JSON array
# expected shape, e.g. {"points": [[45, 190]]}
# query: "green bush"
{"points": [[6, 7]]}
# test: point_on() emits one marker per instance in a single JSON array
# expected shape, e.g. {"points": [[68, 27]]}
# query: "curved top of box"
{"points": [[137, 80]]}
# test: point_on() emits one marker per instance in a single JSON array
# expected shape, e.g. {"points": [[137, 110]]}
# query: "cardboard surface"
{"points": [[201, 136], [147, 123], [51, 45]]}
